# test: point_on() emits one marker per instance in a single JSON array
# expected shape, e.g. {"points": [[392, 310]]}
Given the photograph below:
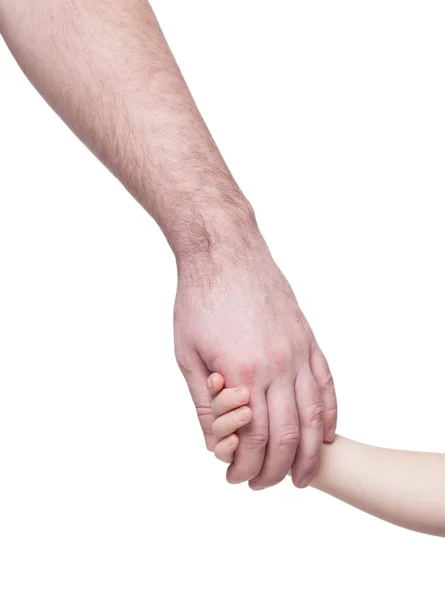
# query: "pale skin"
{"points": [[106, 69], [404, 488]]}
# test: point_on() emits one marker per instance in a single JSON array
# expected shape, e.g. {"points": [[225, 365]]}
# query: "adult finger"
{"points": [[283, 434], [225, 449], [325, 382], [230, 399], [231, 421], [249, 456], [310, 413]]}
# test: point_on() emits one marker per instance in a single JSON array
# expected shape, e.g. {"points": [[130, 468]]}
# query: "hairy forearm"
{"points": [[106, 68], [405, 488]]}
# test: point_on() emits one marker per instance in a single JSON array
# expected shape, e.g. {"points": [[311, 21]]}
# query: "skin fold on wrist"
{"points": [[224, 232]]}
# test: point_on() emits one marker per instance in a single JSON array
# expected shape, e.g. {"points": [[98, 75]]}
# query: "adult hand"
{"points": [[236, 314]]}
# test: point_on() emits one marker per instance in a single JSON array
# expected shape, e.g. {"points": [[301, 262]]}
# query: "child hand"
{"points": [[230, 413]]}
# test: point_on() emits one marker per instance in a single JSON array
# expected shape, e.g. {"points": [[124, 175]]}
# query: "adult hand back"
{"points": [[236, 314]]}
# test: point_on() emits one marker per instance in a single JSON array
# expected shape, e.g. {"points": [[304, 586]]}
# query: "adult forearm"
{"points": [[405, 488], [106, 68]]}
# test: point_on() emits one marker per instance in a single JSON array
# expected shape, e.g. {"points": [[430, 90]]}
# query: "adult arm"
{"points": [[106, 68], [405, 488]]}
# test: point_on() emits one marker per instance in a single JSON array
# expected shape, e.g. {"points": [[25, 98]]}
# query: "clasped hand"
{"points": [[239, 318]]}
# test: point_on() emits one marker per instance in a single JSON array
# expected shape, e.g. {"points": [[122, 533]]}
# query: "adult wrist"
{"points": [[210, 229]]}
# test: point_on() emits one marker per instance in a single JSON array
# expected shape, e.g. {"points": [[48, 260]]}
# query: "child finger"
{"points": [[215, 383], [230, 422], [225, 449], [230, 399]]}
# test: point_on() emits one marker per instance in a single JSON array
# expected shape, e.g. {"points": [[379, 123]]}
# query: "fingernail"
{"points": [[242, 415], [257, 489], [211, 383], [331, 434], [241, 395]]}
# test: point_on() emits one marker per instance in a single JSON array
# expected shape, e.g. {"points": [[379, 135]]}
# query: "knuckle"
{"points": [[279, 360], [314, 415], [289, 437], [310, 460], [330, 412], [256, 439], [248, 370], [326, 382], [301, 350]]}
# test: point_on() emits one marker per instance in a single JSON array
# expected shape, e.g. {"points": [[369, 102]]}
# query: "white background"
{"points": [[331, 117]]}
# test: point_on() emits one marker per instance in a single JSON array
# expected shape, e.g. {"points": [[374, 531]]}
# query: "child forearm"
{"points": [[405, 488]]}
